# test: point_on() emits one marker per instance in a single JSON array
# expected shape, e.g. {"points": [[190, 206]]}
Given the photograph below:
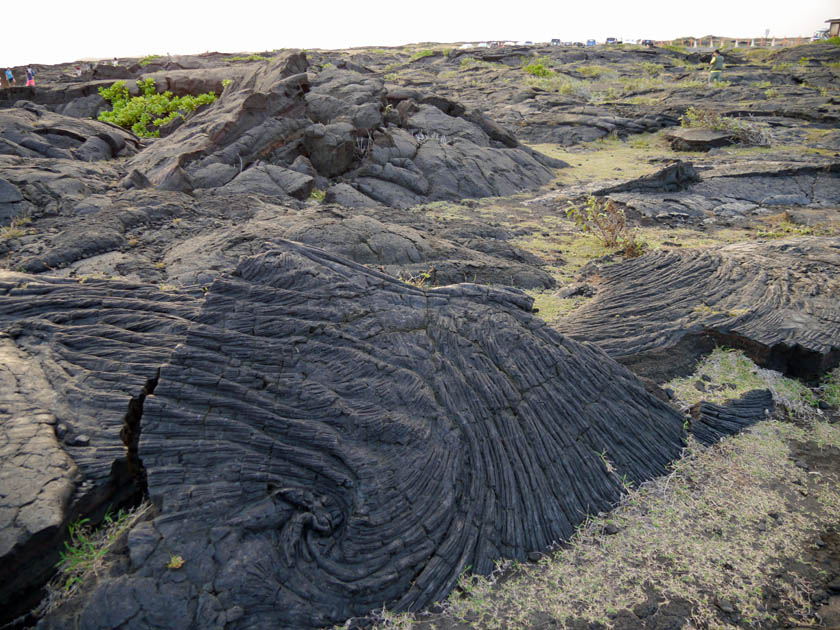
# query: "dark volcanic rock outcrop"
{"points": [[326, 440], [775, 300], [71, 356], [32, 131], [711, 422], [343, 123]]}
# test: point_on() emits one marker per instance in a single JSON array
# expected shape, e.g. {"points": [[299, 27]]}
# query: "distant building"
{"points": [[833, 27]]}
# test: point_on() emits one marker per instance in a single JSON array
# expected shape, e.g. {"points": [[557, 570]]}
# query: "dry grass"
{"points": [[718, 530]]}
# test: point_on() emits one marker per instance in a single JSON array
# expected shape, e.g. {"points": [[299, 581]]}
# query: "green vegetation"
{"points": [[145, 61], [652, 69], [834, 65], [226, 83], [538, 69], [420, 54], [688, 536], [594, 72], [761, 84], [143, 114], [745, 132], [804, 61], [674, 48], [782, 226], [831, 388], [85, 552], [604, 219], [737, 375], [318, 195], [782, 67], [771, 93], [833, 40], [13, 230], [248, 58]]}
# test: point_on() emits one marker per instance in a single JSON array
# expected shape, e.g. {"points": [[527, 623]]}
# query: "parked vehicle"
{"points": [[556, 42], [578, 44], [613, 40], [648, 42], [590, 42], [818, 35]]}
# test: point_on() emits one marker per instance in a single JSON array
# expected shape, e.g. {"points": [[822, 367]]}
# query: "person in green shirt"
{"points": [[716, 65]]}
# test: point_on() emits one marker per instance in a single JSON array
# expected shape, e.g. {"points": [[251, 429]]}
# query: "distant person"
{"points": [[78, 70], [716, 67], [115, 63], [30, 77], [10, 78]]}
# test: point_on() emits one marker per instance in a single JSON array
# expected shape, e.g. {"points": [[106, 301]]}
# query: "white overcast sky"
{"points": [[56, 31]]}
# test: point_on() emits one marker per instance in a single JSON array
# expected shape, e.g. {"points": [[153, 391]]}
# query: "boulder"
{"points": [[698, 138]]}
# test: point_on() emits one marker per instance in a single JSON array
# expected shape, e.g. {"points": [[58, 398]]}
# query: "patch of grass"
{"points": [[782, 226], [652, 69], [834, 65], [772, 93], [674, 48], [642, 84], [689, 535], [594, 71], [782, 67], [831, 388], [761, 84], [730, 368], [14, 229], [552, 308], [420, 54], [148, 59], [247, 58], [85, 552], [318, 195]]}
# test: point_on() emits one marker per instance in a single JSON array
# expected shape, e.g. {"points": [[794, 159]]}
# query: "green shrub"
{"points": [[771, 93], [248, 58], [652, 69], [537, 69], [593, 72], [421, 53], [604, 219], [318, 195], [782, 67], [834, 40], [145, 61], [143, 114], [804, 61]]}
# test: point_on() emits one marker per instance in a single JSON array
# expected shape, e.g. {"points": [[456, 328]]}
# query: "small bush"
{"points": [[145, 61], [317, 195], [652, 69], [13, 230], [782, 67], [143, 114], [593, 72], [771, 93], [803, 61], [537, 69], [834, 40], [422, 53], [604, 219]]}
